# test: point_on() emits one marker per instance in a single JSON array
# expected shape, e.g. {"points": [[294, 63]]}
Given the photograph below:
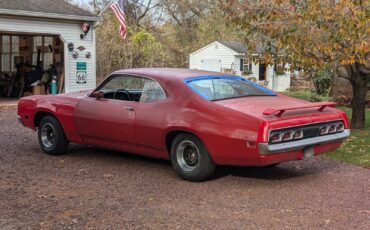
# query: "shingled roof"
{"points": [[236, 46], [54, 7]]}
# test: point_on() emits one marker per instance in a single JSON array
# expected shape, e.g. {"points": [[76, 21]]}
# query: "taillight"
{"points": [[287, 136], [334, 127], [307, 131], [340, 127], [276, 137], [324, 130], [298, 134]]}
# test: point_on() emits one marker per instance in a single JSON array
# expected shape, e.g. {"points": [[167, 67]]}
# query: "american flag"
{"points": [[117, 8]]}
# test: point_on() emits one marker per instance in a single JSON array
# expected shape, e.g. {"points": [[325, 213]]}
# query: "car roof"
{"points": [[169, 73]]}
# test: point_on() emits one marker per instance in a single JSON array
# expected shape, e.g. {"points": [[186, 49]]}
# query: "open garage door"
{"points": [[28, 63]]}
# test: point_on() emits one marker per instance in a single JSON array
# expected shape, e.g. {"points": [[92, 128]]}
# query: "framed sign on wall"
{"points": [[81, 73]]}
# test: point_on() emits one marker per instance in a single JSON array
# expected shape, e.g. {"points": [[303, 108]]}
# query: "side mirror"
{"points": [[97, 95]]}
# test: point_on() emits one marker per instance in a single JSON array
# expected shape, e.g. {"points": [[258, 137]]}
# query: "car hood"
{"points": [[256, 105], [78, 94]]}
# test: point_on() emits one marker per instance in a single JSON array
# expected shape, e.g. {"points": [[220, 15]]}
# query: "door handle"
{"points": [[129, 108]]}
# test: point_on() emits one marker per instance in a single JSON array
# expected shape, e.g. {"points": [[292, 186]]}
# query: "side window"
{"points": [[152, 91], [124, 82], [123, 87]]}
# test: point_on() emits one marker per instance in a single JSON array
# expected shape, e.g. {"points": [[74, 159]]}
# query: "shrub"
{"points": [[252, 79], [314, 97], [279, 70], [322, 82], [247, 72]]}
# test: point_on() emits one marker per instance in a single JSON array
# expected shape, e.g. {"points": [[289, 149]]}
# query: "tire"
{"points": [[190, 158], [271, 166], [51, 136]]}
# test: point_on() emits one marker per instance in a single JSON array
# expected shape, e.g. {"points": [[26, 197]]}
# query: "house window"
{"points": [[44, 45], [5, 53], [48, 52], [9, 52], [37, 50], [245, 65], [15, 53]]}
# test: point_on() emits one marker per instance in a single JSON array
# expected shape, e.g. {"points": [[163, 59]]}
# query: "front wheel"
{"points": [[190, 158], [51, 136]]}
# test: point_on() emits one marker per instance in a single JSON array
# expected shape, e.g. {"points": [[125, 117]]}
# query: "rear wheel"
{"points": [[51, 136], [271, 166], [190, 158]]}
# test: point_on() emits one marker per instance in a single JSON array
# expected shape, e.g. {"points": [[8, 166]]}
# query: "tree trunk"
{"points": [[359, 87]]}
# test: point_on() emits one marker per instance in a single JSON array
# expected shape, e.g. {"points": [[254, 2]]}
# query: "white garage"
{"points": [[219, 56], [42, 40]]}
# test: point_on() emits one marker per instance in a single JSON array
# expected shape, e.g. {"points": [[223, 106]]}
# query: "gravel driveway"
{"points": [[92, 188]]}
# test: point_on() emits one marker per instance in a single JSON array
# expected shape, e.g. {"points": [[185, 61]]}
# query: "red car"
{"points": [[198, 119]]}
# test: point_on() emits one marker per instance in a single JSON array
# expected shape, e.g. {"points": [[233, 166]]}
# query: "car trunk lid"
{"points": [[272, 108]]}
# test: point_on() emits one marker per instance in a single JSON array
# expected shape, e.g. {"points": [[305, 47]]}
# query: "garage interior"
{"points": [[29, 63]]}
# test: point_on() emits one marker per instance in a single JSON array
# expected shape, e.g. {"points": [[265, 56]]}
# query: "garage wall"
{"points": [[214, 51], [68, 32]]}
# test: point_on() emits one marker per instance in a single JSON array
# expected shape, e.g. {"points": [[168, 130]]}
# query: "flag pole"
{"points": [[105, 8]]}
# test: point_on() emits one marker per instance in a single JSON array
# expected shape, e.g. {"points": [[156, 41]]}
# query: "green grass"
{"points": [[301, 94], [307, 95], [356, 149]]}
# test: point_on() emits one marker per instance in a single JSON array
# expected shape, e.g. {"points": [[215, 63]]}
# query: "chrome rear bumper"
{"points": [[266, 148]]}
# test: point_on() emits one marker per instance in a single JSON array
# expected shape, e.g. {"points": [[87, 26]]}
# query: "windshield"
{"points": [[219, 88]]}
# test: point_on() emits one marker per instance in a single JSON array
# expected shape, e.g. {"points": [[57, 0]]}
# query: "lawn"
{"points": [[354, 150]]}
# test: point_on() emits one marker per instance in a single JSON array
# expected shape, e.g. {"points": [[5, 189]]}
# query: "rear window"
{"points": [[219, 88]]}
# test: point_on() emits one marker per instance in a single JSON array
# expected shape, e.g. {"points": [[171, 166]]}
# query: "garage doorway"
{"points": [[28, 63], [211, 65]]}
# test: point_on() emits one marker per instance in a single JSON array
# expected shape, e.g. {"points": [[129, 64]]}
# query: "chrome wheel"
{"points": [[51, 136], [190, 158], [48, 135], [187, 155]]}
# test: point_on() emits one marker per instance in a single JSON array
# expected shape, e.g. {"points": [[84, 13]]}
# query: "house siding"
{"points": [[68, 32], [278, 83], [226, 56]]}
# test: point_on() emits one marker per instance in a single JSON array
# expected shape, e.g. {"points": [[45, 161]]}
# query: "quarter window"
{"points": [[152, 91]]}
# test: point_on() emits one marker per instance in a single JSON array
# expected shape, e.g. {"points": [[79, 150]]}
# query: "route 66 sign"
{"points": [[81, 74], [81, 77]]}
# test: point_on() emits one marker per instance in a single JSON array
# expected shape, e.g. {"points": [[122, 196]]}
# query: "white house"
{"points": [[230, 57], [37, 33]]}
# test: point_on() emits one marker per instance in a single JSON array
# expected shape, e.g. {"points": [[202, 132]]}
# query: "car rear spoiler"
{"points": [[279, 111]]}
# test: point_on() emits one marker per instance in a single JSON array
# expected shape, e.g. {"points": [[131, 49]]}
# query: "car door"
{"points": [[151, 118], [109, 121]]}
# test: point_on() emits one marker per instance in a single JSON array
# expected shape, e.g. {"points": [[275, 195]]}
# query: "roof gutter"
{"points": [[48, 15]]}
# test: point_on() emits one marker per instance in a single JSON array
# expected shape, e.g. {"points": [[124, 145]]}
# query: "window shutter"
{"points": [[241, 64]]}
